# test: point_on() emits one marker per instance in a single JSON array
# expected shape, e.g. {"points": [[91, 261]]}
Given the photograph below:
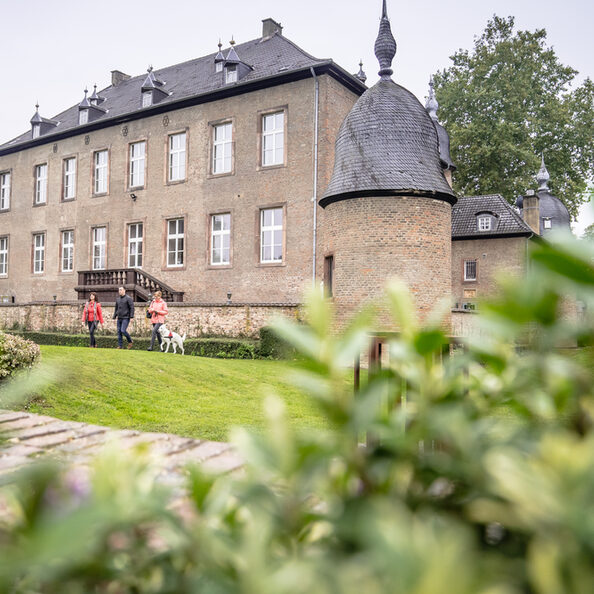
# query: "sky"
{"points": [[51, 50]]}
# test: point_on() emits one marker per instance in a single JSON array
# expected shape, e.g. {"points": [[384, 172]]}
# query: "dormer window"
{"points": [[547, 223], [147, 99], [36, 130], [231, 73], [219, 67], [83, 116], [485, 223]]}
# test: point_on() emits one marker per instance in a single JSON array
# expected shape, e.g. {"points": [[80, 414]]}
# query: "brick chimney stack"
{"points": [[270, 27], [531, 211], [117, 77]]}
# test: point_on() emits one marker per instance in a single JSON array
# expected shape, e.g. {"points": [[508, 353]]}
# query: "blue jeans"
{"points": [[122, 330]]}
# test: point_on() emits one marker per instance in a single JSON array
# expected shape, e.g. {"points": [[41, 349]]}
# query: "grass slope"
{"points": [[190, 396]]}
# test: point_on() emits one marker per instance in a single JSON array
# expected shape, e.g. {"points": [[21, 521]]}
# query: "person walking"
{"points": [[93, 316], [158, 310], [124, 312]]}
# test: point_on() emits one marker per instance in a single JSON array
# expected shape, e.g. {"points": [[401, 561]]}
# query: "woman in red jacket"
{"points": [[158, 310], [93, 316]]}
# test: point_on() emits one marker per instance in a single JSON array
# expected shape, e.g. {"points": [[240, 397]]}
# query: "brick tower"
{"points": [[388, 206]]}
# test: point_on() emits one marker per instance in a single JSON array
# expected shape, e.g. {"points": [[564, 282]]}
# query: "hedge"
{"points": [[221, 348], [274, 347]]}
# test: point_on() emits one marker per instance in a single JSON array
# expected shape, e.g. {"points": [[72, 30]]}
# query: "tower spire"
{"points": [[432, 105], [385, 45], [542, 177]]}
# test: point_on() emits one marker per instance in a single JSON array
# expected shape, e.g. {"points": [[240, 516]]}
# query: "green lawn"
{"points": [[190, 396]]}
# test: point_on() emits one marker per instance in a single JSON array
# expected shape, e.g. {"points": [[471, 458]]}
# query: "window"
{"points": [[547, 224], [219, 67], [100, 173], [328, 275], [220, 243], [222, 148], [469, 270], [69, 178], [36, 130], [175, 242], [67, 251], [231, 73], [271, 235], [137, 156], [273, 139], [38, 253], [3, 256], [484, 223], [147, 98], [135, 237], [83, 116], [99, 247], [177, 157], [5, 190], [41, 184]]}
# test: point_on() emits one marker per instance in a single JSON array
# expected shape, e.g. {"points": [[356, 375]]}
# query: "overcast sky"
{"points": [[50, 50]]}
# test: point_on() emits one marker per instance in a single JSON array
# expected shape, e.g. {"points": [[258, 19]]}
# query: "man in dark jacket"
{"points": [[124, 312]]}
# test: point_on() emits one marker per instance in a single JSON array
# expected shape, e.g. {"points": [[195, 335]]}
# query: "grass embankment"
{"points": [[190, 396]]}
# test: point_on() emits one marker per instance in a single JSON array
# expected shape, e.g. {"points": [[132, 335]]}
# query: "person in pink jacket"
{"points": [[158, 310]]}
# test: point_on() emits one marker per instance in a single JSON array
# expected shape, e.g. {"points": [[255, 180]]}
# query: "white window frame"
{"points": [[468, 276], [147, 98], [273, 139], [100, 172], [38, 253], [231, 73], [67, 255], [5, 190], [547, 223], [83, 117], [177, 157], [267, 234], [178, 238], [69, 178], [41, 183], [4, 255], [137, 163], [36, 130], [485, 223], [219, 66], [99, 247], [220, 240], [135, 245], [222, 148]]}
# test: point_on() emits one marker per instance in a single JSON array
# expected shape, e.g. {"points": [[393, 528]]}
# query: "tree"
{"points": [[508, 101], [589, 233]]}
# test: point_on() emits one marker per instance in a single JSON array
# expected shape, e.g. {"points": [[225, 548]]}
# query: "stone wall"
{"points": [[196, 319]]}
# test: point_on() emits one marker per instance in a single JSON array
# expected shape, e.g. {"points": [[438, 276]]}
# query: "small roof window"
{"points": [[486, 221]]}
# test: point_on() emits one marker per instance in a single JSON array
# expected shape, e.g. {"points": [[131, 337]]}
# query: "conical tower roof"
{"points": [[387, 144]]}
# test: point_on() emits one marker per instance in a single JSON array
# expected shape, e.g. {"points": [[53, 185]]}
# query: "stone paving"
{"points": [[29, 437]]}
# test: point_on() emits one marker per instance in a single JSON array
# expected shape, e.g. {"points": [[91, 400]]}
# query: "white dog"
{"points": [[171, 338]]}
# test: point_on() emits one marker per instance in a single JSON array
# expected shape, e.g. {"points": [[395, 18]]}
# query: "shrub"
{"points": [[272, 346], [469, 474], [16, 353]]}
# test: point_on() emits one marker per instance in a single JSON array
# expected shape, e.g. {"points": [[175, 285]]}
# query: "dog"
{"points": [[171, 338]]}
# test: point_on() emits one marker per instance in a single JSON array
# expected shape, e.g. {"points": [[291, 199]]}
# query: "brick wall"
{"points": [[374, 239], [197, 320]]}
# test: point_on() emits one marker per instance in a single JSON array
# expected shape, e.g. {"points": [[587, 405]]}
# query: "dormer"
{"points": [[234, 69], [88, 110], [96, 99], [39, 125], [219, 59], [152, 89], [486, 221]]}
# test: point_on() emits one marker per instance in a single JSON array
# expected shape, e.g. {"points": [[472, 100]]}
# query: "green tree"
{"points": [[589, 233], [504, 103]]}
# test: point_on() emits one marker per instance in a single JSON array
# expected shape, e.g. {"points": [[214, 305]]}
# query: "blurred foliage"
{"points": [[465, 474], [507, 101], [16, 353]]}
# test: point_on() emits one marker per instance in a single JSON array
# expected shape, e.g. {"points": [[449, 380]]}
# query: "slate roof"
{"points": [[270, 57], [387, 145], [508, 221]]}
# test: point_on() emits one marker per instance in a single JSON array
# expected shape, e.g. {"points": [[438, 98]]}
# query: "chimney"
{"points": [[270, 27], [531, 211], [117, 77]]}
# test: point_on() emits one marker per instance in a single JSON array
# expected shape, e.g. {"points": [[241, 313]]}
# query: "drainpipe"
{"points": [[315, 174]]}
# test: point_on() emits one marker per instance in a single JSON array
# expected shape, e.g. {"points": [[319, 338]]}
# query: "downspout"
{"points": [[315, 174]]}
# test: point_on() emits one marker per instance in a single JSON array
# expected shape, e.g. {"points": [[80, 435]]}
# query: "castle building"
{"points": [[252, 172]]}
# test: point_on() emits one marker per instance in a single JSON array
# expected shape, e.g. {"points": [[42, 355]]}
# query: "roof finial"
{"points": [[232, 42], [86, 92], [542, 177], [385, 45], [432, 105], [220, 44], [361, 74], [37, 105], [150, 68]]}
